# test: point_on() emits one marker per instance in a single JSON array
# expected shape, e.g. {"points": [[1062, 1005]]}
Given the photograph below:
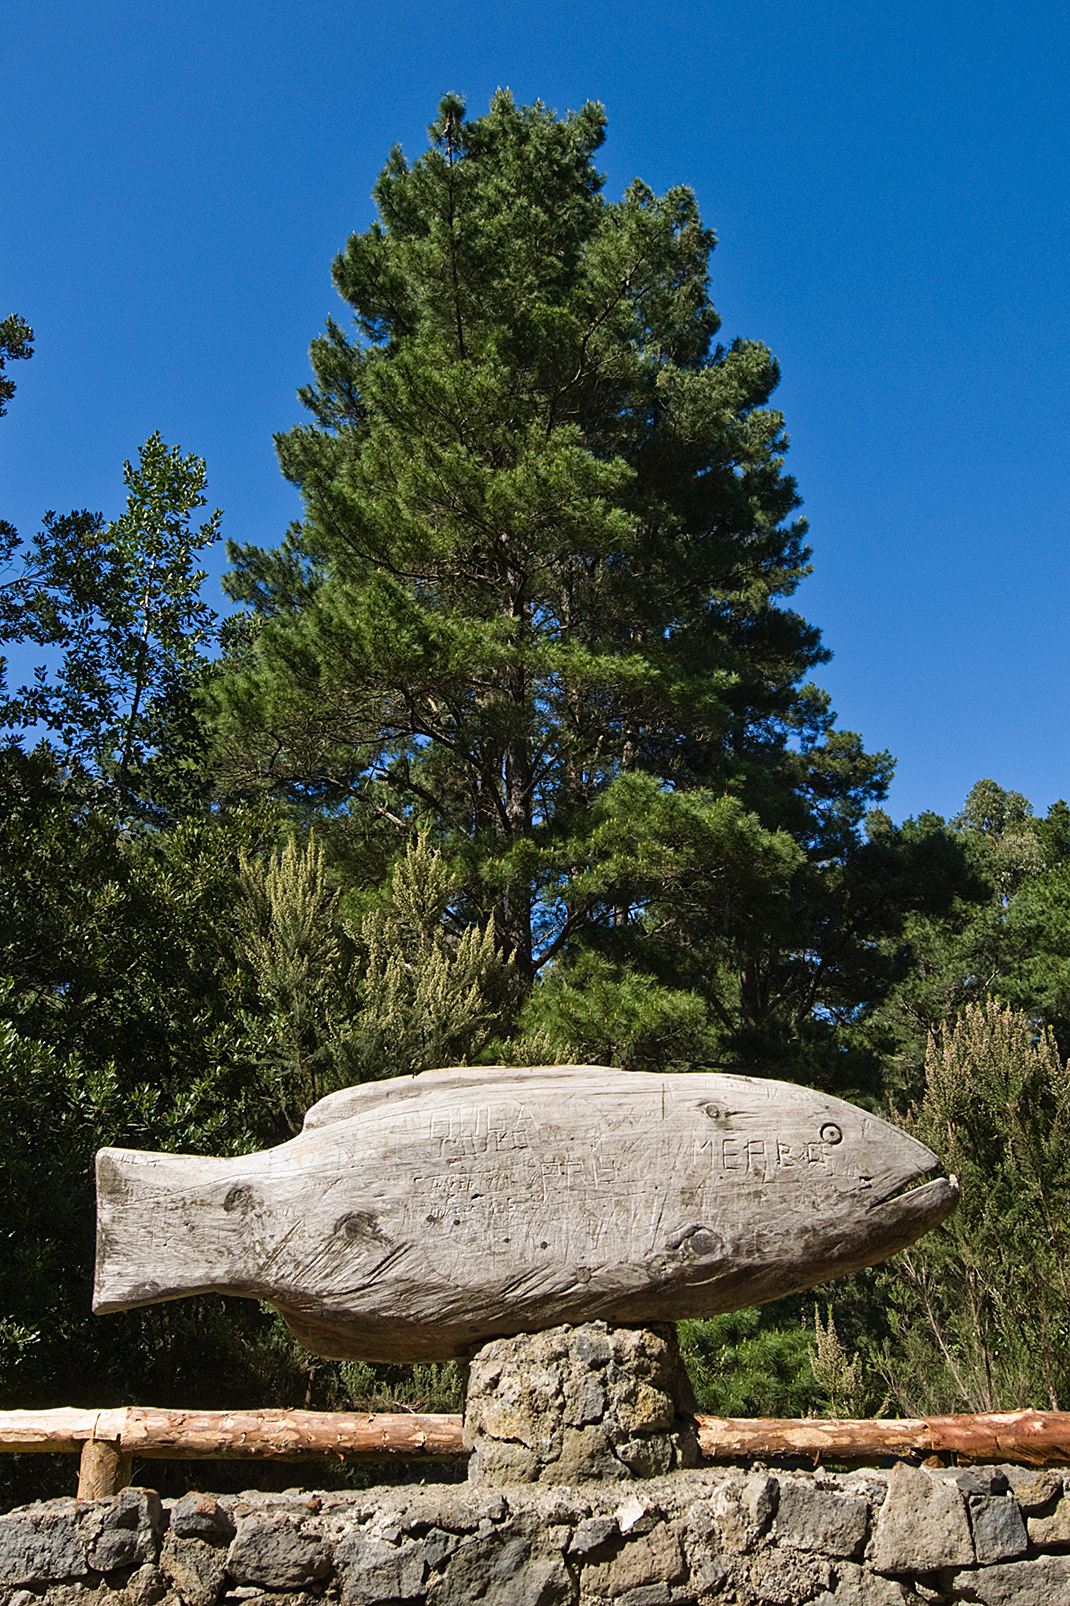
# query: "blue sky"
{"points": [[888, 184]]}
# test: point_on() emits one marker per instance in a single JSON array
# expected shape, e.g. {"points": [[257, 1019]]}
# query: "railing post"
{"points": [[103, 1469]]}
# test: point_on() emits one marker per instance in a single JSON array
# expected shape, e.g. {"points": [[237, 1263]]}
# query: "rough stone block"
{"points": [[274, 1552], [591, 1345], [652, 1558], [785, 1577], [585, 1453], [125, 1531], [869, 1482], [1044, 1581], [574, 1404], [592, 1534], [584, 1400], [495, 1463], [522, 1404], [196, 1568], [826, 1520], [1034, 1488], [922, 1526], [1051, 1531], [648, 1457], [998, 1530], [75, 1593], [146, 1586], [644, 1408], [710, 1576], [437, 1546], [649, 1595], [739, 1510], [500, 1571], [41, 1542], [371, 1572], [200, 1516], [543, 1583], [852, 1585], [972, 1480]]}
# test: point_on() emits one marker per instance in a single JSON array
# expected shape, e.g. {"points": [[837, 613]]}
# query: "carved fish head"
{"points": [[832, 1187]]}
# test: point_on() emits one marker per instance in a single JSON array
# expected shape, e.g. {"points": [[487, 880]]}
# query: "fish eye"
{"points": [[830, 1133], [239, 1197]]}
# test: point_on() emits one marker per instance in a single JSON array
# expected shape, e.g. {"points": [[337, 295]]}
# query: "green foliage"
{"points": [[1002, 929], [690, 875], [16, 345], [980, 1309], [116, 1027], [838, 1374], [785, 1359], [600, 1013], [287, 936], [128, 618], [1038, 939], [22, 617], [52, 1115], [432, 1386], [55, 1111], [432, 989], [751, 1363]]}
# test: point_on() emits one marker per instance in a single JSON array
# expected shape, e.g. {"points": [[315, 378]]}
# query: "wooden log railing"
{"points": [[108, 1440]]}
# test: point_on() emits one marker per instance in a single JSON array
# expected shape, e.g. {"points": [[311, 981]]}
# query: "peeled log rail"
{"points": [[218, 1435], [1034, 1438]]}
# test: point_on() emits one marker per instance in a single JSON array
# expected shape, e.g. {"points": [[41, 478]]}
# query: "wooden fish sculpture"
{"points": [[414, 1219]]}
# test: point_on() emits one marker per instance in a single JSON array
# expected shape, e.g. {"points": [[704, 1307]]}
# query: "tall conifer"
{"points": [[548, 541]]}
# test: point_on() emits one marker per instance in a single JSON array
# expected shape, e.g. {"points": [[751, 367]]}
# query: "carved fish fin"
{"points": [[350, 1101], [138, 1194]]}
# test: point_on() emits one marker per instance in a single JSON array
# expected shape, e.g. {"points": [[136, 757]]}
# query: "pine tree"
{"points": [[547, 550]]}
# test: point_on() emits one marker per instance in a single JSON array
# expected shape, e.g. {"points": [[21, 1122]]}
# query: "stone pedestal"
{"points": [[577, 1403]]}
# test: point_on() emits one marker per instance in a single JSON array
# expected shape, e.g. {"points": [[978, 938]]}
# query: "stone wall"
{"points": [[722, 1536], [582, 1491]]}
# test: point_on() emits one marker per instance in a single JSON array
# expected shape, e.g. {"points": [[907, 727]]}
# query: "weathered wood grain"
{"points": [[417, 1218]]}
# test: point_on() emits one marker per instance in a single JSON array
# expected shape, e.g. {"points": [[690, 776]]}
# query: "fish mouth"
{"points": [[922, 1198]]}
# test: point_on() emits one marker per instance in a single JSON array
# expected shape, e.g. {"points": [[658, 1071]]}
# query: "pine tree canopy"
{"points": [[549, 543]]}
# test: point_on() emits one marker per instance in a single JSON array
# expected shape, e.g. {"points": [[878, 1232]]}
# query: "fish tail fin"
{"points": [[147, 1248]]}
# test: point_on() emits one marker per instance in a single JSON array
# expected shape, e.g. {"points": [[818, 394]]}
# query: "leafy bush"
{"points": [[980, 1309]]}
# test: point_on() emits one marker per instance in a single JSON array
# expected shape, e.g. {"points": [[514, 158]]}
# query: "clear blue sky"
{"points": [[888, 183]]}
